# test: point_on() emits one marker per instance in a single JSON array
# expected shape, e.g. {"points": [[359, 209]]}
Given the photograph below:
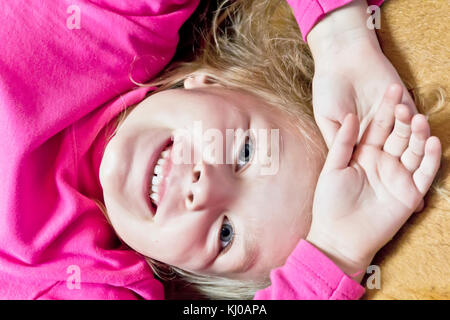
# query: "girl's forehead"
{"points": [[232, 106]]}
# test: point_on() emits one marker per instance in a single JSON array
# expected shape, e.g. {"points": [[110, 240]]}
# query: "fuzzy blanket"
{"points": [[415, 36]]}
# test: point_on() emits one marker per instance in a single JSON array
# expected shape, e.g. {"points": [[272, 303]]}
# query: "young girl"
{"points": [[56, 122]]}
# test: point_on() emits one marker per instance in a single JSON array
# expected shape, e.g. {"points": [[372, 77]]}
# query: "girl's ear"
{"points": [[197, 80]]}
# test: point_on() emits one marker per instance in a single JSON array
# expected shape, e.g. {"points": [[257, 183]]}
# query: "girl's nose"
{"points": [[209, 186]]}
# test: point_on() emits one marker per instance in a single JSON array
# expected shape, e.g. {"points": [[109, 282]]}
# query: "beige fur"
{"points": [[415, 36]]}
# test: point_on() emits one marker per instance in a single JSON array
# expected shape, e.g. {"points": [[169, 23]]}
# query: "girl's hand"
{"points": [[351, 71], [364, 197]]}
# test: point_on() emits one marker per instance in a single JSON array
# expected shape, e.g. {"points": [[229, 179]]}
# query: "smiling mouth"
{"points": [[159, 176]]}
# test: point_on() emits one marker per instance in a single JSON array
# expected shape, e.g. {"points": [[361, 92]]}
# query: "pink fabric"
{"points": [[309, 274], [310, 12], [59, 89]]}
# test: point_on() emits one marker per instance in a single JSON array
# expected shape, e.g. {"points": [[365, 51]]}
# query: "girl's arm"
{"points": [[351, 71], [310, 275]]}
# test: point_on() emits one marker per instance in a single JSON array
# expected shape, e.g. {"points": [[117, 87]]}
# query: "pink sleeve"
{"points": [[148, 289], [66, 70], [309, 275], [309, 12]]}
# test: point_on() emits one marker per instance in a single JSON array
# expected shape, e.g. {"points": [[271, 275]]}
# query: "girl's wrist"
{"points": [[341, 30], [351, 266]]}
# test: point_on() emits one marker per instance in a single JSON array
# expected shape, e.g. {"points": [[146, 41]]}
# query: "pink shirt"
{"points": [[60, 85], [310, 12]]}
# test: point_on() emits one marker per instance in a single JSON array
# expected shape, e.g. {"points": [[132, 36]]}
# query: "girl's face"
{"points": [[216, 201]]}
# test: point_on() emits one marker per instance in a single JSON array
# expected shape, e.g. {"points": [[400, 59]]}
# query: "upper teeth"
{"points": [[157, 175]]}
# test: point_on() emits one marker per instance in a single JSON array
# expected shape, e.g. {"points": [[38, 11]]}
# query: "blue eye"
{"points": [[245, 154], [226, 234]]}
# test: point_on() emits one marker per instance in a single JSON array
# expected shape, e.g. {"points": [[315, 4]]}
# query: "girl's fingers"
{"points": [[381, 125], [424, 175], [398, 140], [341, 151], [413, 155]]}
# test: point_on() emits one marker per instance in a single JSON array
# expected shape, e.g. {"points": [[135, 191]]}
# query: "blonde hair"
{"points": [[254, 45]]}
